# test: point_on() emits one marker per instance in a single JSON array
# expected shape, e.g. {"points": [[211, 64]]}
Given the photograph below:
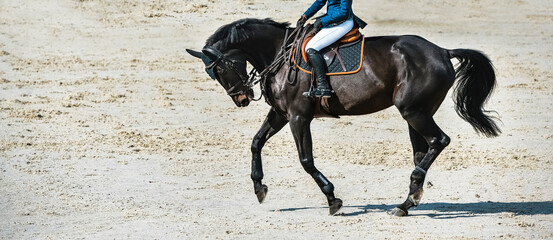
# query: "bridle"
{"points": [[213, 57]]}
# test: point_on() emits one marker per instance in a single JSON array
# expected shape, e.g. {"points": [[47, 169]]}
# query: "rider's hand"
{"points": [[318, 25], [301, 21]]}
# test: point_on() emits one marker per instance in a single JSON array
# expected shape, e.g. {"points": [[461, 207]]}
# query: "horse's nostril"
{"points": [[244, 102]]}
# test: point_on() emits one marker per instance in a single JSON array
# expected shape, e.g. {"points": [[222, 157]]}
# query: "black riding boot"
{"points": [[319, 69]]}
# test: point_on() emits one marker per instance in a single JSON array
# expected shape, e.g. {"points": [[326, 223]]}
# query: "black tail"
{"points": [[475, 83]]}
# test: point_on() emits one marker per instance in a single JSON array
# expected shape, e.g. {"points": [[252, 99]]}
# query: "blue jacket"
{"points": [[337, 11]]}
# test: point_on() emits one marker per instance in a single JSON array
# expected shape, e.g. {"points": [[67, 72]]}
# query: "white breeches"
{"points": [[329, 35]]}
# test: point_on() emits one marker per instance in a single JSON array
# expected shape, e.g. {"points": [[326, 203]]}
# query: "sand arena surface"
{"points": [[109, 129]]}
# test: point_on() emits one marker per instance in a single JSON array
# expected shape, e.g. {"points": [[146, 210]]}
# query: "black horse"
{"points": [[408, 72]]}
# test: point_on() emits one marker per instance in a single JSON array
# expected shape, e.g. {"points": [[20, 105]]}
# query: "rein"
{"points": [[284, 55]]}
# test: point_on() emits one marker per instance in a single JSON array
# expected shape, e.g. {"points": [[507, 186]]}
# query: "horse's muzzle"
{"points": [[242, 100]]}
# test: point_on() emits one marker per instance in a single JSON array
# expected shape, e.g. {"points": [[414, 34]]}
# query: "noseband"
{"points": [[212, 59]]}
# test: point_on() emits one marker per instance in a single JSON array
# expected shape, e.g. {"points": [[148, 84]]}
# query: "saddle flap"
{"points": [[329, 57]]}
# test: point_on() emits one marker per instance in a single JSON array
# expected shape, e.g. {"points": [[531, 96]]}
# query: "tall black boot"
{"points": [[319, 69]]}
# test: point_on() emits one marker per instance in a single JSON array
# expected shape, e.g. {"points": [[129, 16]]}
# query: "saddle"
{"points": [[342, 57]]}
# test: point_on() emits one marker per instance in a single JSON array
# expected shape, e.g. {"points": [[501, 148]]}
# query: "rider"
{"points": [[337, 22]]}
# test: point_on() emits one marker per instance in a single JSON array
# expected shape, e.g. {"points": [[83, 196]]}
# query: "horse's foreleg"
{"points": [[272, 124], [300, 127], [436, 141]]}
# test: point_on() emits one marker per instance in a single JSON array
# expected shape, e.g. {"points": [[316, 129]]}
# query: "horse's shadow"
{"points": [[445, 210]]}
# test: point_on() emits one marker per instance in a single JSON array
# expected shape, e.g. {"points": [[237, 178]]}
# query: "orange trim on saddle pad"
{"points": [[304, 55]]}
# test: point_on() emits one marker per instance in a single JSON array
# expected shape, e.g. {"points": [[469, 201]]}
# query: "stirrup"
{"points": [[323, 93], [309, 93], [315, 92]]}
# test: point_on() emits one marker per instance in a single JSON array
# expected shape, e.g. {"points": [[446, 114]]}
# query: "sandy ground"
{"points": [[110, 130]]}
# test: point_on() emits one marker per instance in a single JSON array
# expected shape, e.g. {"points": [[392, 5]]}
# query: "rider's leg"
{"points": [[322, 39], [319, 69]]}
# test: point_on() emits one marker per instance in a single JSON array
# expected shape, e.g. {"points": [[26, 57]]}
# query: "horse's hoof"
{"points": [[261, 193], [335, 206], [398, 212]]}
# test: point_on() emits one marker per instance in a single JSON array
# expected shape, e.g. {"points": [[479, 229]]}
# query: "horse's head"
{"points": [[229, 69]]}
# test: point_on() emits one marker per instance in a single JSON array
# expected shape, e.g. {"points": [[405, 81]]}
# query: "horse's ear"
{"points": [[194, 53], [212, 53]]}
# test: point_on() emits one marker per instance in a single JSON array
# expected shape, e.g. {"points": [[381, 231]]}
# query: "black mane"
{"points": [[239, 31]]}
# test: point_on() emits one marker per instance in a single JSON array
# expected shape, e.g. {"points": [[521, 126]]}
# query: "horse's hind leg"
{"points": [[437, 140], [420, 147]]}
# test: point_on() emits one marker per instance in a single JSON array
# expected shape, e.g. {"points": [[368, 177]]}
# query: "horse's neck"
{"points": [[264, 47]]}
